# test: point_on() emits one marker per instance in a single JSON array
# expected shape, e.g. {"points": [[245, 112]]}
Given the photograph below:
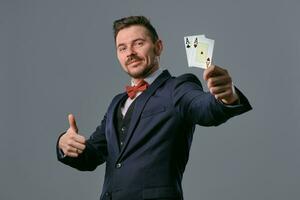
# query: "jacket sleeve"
{"points": [[93, 155], [198, 107]]}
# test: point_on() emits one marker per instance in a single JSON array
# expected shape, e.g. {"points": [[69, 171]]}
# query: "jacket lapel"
{"points": [[139, 106]]}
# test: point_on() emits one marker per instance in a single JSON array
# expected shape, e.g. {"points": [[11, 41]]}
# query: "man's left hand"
{"points": [[219, 84]]}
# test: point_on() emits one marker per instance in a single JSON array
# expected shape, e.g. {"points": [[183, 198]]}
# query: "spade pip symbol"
{"points": [[187, 42], [207, 62], [196, 42]]}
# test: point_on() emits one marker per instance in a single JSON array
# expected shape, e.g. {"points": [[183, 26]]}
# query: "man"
{"points": [[146, 134]]}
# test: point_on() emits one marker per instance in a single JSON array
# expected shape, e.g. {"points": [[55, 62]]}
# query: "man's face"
{"points": [[136, 52]]}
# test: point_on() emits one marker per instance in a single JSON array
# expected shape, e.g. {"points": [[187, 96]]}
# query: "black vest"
{"points": [[122, 123]]}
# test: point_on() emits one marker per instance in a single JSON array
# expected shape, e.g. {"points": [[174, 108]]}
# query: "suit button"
{"points": [[118, 165], [123, 129], [121, 143], [107, 194]]}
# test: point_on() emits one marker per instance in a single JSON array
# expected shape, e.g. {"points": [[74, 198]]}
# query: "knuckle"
{"points": [[69, 142], [81, 137], [69, 131], [210, 81], [208, 85], [68, 149], [72, 136]]}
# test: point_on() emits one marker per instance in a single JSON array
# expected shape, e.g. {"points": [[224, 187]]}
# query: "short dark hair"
{"points": [[134, 20]]}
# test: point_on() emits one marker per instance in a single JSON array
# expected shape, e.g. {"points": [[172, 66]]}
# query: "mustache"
{"points": [[132, 59]]}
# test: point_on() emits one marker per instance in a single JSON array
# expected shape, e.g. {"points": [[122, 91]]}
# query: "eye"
{"points": [[122, 49], [139, 43]]}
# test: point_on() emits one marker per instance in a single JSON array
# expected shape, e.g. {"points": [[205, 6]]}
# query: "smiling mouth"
{"points": [[133, 61]]}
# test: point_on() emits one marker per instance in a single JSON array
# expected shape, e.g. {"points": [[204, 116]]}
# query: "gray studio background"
{"points": [[58, 57]]}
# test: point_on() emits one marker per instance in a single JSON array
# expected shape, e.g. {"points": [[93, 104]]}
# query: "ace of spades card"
{"points": [[199, 50]]}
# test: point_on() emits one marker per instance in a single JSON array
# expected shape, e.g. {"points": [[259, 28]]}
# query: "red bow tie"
{"points": [[133, 90]]}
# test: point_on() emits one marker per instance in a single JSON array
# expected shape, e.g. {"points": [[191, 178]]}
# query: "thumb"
{"points": [[72, 122]]}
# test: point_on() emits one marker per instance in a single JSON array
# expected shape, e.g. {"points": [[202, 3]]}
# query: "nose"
{"points": [[131, 52]]}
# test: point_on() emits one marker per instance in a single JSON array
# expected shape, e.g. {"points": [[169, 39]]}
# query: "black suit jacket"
{"points": [[156, 150]]}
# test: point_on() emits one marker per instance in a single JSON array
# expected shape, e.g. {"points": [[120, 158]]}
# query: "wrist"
{"points": [[233, 100]]}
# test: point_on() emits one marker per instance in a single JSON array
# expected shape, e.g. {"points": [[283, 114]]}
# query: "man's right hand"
{"points": [[71, 143]]}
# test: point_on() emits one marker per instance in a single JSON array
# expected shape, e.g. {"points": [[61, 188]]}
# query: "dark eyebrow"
{"points": [[138, 39], [120, 45]]}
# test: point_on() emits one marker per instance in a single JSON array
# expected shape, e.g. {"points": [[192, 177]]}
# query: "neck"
{"points": [[137, 80]]}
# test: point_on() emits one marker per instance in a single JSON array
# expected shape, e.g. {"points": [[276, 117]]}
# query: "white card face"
{"points": [[200, 50], [188, 48]]}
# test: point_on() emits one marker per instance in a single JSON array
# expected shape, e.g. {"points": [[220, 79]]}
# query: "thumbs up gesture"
{"points": [[71, 143], [219, 84]]}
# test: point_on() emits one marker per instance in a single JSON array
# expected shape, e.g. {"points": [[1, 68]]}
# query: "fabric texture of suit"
{"points": [[152, 161]]}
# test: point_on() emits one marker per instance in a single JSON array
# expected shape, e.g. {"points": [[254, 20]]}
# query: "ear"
{"points": [[158, 48]]}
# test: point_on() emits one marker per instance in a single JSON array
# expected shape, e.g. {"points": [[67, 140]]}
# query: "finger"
{"points": [[75, 151], [213, 71], [72, 122], [218, 81], [223, 95], [71, 131], [207, 71], [79, 151], [71, 154], [78, 146], [79, 138], [72, 145], [69, 149], [220, 89]]}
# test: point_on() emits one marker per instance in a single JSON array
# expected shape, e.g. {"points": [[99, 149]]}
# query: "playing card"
{"points": [[188, 48], [199, 50], [190, 44]]}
